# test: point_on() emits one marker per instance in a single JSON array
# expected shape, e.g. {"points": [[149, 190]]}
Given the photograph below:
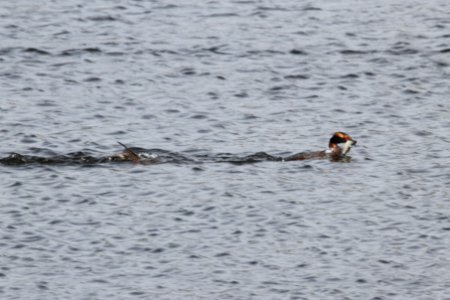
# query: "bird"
{"points": [[338, 147]]}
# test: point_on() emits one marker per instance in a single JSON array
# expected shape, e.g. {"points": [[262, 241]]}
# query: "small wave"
{"points": [[71, 52], [37, 51], [102, 18], [297, 52], [222, 15], [297, 76], [33, 50], [355, 52], [249, 159], [405, 51]]}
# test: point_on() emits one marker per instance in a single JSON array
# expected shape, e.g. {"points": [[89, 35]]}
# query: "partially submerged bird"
{"points": [[130, 155], [339, 145]]}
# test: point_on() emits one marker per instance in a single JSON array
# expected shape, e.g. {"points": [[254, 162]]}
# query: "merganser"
{"points": [[335, 150]]}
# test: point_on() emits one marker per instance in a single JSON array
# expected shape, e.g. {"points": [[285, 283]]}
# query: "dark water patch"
{"points": [[29, 139], [159, 52], [446, 50], [423, 133], [272, 8], [441, 64], [36, 51], [7, 50], [379, 60], [216, 49], [356, 52], [10, 75], [188, 71], [202, 52], [115, 53], [199, 117], [76, 52], [61, 33], [71, 81], [115, 133], [222, 254], [213, 95], [297, 76], [168, 6], [279, 88], [148, 116], [102, 18], [32, 238], [297, 52], [244, 2], [241, 95], [350, 76], [250, 117], [172, 111], [311, 8], [120, 7], [16, 184], [402, 51], [62, 64], [411, 91], [92, 79], [47, 103], [263, 52], [222, 15], [304, 33], [237, 160]]}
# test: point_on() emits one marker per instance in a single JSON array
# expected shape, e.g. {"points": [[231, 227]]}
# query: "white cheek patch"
{"points": [[347, 146]]}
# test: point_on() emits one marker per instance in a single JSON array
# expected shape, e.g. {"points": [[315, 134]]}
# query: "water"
{"points": [[224, 79]]}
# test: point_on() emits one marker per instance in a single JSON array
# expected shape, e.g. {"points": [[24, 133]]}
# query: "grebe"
{"points": [[126, 155], [130, 155], [335, 150]]}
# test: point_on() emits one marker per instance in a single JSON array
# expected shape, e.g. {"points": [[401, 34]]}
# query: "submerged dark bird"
{"points": [[130, 155]]}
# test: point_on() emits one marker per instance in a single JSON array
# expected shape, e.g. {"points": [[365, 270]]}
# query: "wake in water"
{"points": [[152, 156], [134, 155], [339, 145]]}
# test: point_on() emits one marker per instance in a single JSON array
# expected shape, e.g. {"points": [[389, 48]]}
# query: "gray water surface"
{"points": [[236, 77]]}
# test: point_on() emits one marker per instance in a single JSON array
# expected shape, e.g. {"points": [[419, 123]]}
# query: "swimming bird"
{"points": [[339, 145]]}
